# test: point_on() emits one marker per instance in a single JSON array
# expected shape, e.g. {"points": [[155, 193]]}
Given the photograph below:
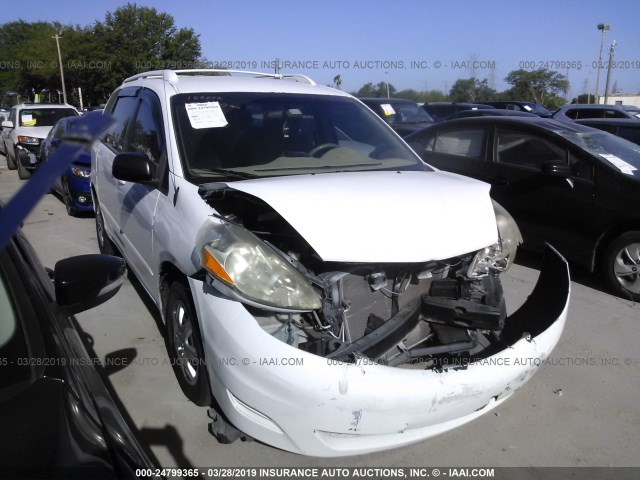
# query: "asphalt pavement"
{"points": [[581, 409]]}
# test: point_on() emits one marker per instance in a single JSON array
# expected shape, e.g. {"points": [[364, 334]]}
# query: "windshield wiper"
{"points": [[230, 173], [315, 167]]}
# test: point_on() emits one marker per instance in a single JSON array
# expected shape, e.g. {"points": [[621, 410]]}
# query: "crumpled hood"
{"points": [[384, 217]]}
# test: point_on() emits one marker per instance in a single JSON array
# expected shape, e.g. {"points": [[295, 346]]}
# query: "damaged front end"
{"points": [[412, 315]]}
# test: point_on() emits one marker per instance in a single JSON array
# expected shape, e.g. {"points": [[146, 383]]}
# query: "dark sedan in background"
{"points": [[576, 187], [404, 116], [568, 113], [627, 128], [73, 185]]}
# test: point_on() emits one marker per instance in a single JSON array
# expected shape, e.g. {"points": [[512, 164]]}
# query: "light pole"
{"points": [[386, 74], [64, 89], [603, 27], [606, 87]]}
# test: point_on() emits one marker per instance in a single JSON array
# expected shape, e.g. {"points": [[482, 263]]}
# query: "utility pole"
{"points": [[606, 88], [603, 27], [57, 37]]}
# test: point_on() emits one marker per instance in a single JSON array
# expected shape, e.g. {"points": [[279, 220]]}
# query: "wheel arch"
{"points": [[609, 236]]}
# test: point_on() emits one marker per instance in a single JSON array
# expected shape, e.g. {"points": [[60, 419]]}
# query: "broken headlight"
{"points": [[498, 257], [255, 272]]}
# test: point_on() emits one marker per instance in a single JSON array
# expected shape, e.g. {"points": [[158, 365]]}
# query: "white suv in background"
{"points": [[28, 124], [324, 290]]}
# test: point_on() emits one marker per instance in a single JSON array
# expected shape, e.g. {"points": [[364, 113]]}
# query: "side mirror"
{"points": [[133, 167], [86, 281], [7, 124], [556, 168]]}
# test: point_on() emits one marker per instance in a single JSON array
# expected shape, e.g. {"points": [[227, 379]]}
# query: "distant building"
{"points": [[626, 99]]}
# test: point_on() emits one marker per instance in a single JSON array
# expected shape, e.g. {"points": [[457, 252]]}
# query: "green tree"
{"points": [[134, 39], [541, 86], [96, 58], [29, 59], [379, 90], [471, 90]]}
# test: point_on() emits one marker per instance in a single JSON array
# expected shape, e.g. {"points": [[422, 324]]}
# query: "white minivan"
{"points": [[324, 290]]}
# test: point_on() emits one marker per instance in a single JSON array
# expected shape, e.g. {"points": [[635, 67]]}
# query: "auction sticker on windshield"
{"points": [[617, 162], [205, 115]]}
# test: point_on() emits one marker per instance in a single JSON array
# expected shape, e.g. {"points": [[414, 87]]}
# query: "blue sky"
{"points": [[410, 43]]}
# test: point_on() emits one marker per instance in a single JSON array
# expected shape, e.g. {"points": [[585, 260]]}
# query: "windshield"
{"points": [[271, 134], [535, 108], [618, 152], [44, 117], [408, 113]]}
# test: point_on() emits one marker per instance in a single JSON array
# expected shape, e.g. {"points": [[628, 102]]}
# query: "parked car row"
{"points": [[23, 132], [31, 133]]}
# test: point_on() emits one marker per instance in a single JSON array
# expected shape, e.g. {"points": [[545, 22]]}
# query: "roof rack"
{"points": [[172, 75]]}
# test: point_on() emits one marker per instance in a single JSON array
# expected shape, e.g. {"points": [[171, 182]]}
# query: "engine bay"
{"points": [[406, 315]]}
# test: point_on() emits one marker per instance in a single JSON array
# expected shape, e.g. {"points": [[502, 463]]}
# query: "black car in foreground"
{"points": [[57, 418], [404, 116], [573, 186], [627, 128]]}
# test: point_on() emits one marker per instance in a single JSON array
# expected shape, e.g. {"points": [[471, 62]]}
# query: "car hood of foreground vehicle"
{"points": [[398, 217], [36, 132]]}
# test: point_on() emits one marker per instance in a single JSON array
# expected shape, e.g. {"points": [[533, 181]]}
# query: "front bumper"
{"points": [[312, 405], [28, 155], [79, 190]]}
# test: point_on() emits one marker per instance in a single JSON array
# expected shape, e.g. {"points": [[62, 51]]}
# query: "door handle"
{"points": [[121, 182]]}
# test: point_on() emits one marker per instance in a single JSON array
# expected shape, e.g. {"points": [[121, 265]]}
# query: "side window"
{"points": [[526, 150], [123, 113], [573, 114], [146, 132], [58, 131], [579, 168], [467, 142], [12, 116], [426, 141], [614, 114]]}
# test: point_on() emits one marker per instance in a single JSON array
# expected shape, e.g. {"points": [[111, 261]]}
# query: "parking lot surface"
{"points": [[581, 409]]}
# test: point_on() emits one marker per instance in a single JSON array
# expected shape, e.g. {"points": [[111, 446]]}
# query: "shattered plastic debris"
{"points": [[558, 392]]}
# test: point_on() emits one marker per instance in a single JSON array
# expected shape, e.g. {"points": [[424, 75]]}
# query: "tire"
{"points": [[23, 173], [11, 164], [184, 345], [104, 242], [621, 265]]}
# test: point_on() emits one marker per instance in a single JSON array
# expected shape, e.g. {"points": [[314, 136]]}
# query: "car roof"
{"points": [[630, 122], [583, 106], [535, 121], [464, 104], [380, 100], [44, 105], [193, 81]]}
